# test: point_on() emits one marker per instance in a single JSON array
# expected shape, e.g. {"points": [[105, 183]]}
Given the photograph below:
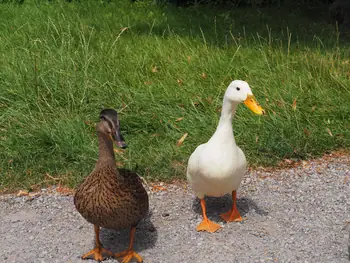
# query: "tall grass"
{"points": [[61, 63]]}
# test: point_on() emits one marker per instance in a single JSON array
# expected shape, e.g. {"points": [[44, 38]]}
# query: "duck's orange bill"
{"points": [[253, 105]]}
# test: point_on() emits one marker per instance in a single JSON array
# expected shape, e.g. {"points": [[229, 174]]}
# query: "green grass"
{"points": [[61, 63]]}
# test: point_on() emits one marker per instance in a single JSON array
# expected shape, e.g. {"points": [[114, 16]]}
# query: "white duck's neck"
{"points": [[224, 131]]}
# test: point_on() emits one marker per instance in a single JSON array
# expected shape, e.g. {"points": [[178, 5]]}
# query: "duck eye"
{"points": [[237, 88]]}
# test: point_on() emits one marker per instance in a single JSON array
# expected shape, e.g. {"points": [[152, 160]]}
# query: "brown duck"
{"points": [[109, 197]]}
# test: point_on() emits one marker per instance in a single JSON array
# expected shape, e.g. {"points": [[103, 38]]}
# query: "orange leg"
{"points": [[206, 224], [96, 253], [129, 254], [233, 214]]}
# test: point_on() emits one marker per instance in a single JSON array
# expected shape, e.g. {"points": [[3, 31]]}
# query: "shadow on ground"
{"points": [[219, 205], [229, 25], [117, 241]]}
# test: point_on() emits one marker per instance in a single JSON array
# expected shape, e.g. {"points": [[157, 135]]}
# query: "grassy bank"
{"points": [[61, 63]]}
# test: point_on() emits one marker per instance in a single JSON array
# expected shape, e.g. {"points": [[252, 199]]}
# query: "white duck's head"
{"points": [[239, 91]]}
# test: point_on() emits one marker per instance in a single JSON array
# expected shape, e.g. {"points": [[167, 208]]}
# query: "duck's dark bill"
{"points": [[119, 141]]}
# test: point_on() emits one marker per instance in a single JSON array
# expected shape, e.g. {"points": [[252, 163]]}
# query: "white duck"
{"points": [[217, 167]]}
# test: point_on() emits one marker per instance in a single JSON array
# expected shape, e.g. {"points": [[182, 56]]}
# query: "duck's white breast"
{"points": [[215, 170]]}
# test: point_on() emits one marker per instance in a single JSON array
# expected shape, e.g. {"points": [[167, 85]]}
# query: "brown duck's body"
{"points": [[110, 197]]}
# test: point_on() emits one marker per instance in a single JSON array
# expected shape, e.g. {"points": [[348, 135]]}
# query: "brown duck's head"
{"points": [[109, 123]]}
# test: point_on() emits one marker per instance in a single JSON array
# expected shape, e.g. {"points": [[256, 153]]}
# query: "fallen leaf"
{"points": [[346, 178], [156, 188], [288, 161], [33, 195], [294, 106], [148, 82], [304, 163], [51, 177], [280, 103], [179, 142], [203, 75], [179, 119], [119, 164], [179, 81], [306, 132], [196, 103], [118, 150], [219, 109], [267, 100], [210, 99], [123, 106], [256, 139], [329, 132], [22, 193], [64, 190], [155, 135], [155, 69], [176, 164], [87, 122], [313, 108], [189, 59]]}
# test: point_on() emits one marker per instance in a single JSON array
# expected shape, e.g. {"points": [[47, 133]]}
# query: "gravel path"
{"points": [[299, 214]]}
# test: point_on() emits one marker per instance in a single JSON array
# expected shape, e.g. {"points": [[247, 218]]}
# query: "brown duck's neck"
{"points": [[105, 149]]}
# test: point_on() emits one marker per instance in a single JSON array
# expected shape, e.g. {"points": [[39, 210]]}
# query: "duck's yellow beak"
{"points": [[253, 105]]}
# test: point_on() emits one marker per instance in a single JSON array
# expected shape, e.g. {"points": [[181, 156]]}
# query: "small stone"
{"points": [[151, 229]]}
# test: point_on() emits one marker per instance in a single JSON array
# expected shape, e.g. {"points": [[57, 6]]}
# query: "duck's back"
{"points": [[111, 199]]}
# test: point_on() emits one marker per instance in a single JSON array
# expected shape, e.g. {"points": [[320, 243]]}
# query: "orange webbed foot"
{"points": [[232, 216], [128, 255], [207, 225], [97, 254]]}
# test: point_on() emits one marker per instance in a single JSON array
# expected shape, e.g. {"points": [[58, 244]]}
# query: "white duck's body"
{"points": [[217, 167]]}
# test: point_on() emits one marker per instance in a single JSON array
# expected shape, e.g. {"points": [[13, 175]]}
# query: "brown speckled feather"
{"points": [[112, 198]]}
